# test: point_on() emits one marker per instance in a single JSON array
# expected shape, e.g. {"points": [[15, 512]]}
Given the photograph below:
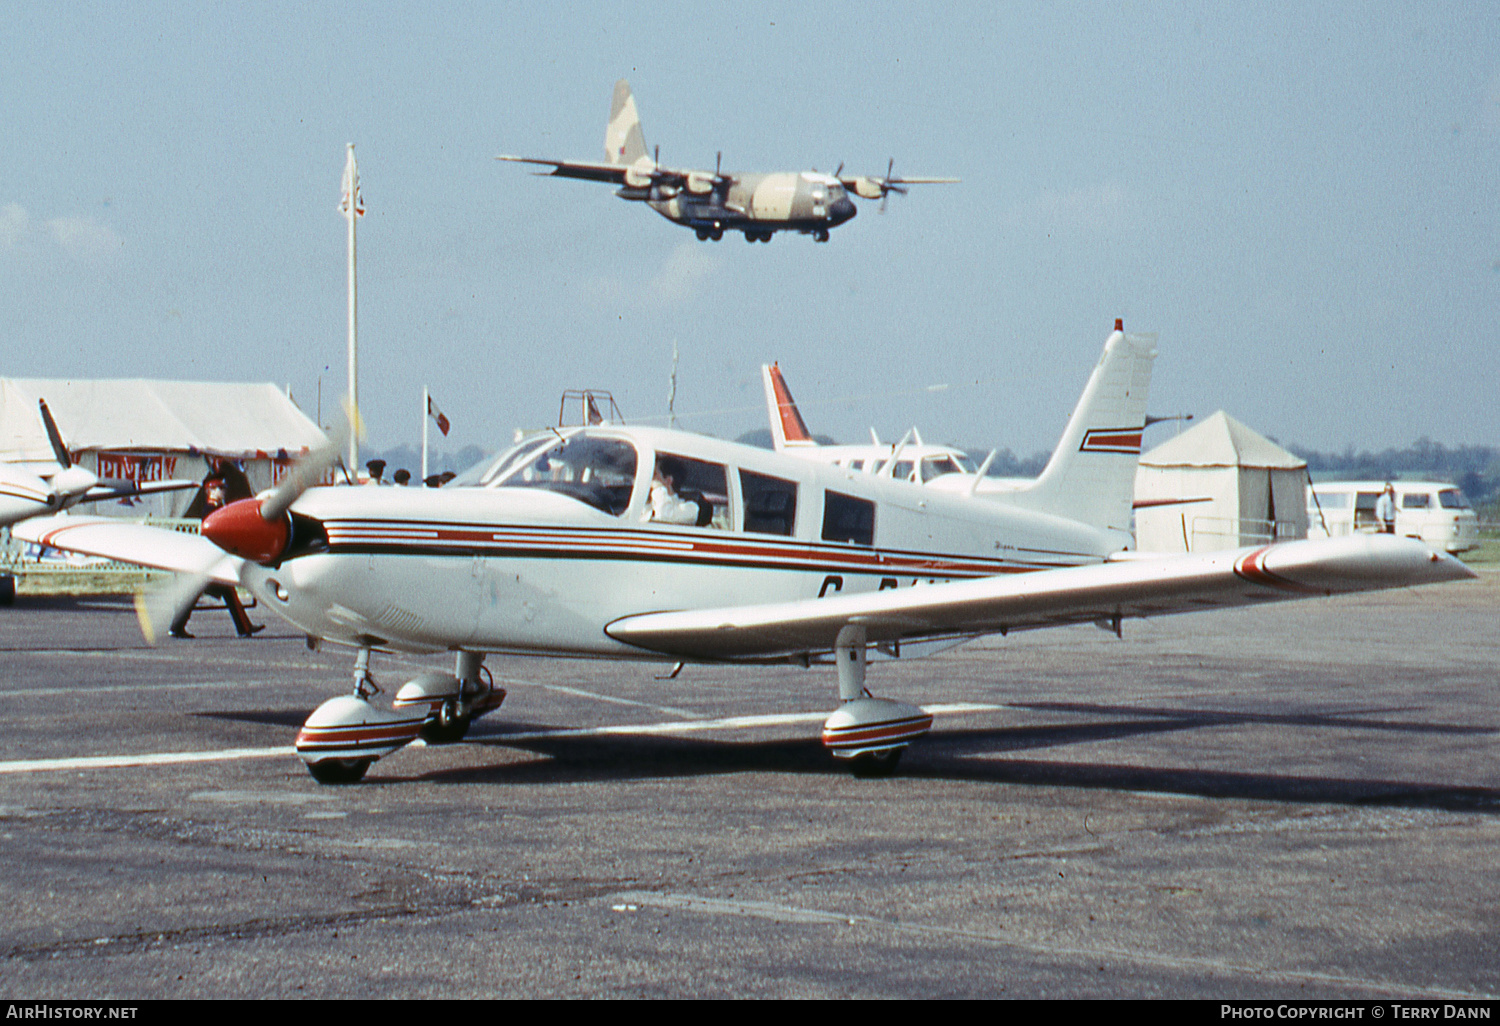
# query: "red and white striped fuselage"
{"points": [[532, 563]]}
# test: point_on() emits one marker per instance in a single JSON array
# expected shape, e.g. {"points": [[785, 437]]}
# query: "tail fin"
{"points": [[787, 427], [624, 142], [1091, 476]]}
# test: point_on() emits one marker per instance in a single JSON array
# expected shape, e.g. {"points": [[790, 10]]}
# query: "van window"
{"points": [[1332, 500], [847, 519], [1364, 509], [1452, 498], [1416, 500], [770, 504]]}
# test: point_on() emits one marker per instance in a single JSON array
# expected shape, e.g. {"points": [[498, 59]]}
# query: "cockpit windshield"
{"points": [[597, 471]]}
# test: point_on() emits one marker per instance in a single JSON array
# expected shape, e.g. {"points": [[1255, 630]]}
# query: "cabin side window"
{"points": [[1416, 500], [770, 504], [847, 519], [688, 491]]}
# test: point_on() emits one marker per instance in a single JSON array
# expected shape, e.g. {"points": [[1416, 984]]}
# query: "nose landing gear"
{"points": [[345, 735]]}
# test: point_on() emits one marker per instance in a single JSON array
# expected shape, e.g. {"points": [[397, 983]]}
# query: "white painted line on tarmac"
{"points": [[726, 723], [665, 710], [635, 901], [86, 762]]}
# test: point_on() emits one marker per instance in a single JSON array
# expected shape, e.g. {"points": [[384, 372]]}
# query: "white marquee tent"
{"points": [[1248, 490], [155, 430]]}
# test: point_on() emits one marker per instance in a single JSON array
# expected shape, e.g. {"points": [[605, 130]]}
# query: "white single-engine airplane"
{"points": [[714, 202], [910, 459], [29, 490], [643, 543]]}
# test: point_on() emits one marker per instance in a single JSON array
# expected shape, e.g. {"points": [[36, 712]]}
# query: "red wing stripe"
{"points": [[1252, 568]]}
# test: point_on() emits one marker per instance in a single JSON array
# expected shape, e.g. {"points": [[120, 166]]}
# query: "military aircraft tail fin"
{"points": [[624, 142], [1091, 475], [788, 430]]}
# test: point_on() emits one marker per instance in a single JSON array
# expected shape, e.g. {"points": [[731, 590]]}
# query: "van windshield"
{"points": [[1452, 498]]}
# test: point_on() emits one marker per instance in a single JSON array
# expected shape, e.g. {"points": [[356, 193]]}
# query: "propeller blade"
{"points": [[310, 469], [158, 609]]}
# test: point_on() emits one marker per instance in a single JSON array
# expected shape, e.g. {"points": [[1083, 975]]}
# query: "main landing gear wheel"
{"points": [[448, 727], [339, 771], [871, 765], [821, 235]]}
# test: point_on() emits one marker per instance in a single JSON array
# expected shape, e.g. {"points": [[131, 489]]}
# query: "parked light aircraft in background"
{"points": [[32, 490], [713, 202], [910, 459], [608, 541], [1116, 398]]}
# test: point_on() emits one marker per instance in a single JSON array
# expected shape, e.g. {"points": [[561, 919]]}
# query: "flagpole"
{"points": [[352, 216], [426, 408]]}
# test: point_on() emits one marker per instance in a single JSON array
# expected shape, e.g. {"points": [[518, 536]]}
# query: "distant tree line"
{"points": [[1474, 468]]}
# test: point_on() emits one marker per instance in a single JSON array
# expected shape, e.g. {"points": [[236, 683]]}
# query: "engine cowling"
{"points": [[241, 530]]}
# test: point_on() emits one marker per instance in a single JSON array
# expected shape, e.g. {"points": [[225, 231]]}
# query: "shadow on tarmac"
{"points": [[975, 755]]}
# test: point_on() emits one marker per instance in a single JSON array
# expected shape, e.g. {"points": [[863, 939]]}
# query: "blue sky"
{"points": [[1301, 199]]}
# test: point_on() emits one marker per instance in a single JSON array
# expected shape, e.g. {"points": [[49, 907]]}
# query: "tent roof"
{"points": [[232, 419], [1222, 441]]}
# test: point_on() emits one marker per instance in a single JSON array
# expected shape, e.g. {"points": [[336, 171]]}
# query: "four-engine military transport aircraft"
{"points": [[607, 541], [713, 202]]}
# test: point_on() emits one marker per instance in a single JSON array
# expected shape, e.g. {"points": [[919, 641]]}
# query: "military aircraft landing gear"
{"points": [[821, 235], [869, 732]]}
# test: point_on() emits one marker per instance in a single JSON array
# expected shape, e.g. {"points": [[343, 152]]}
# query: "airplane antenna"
{"points": [[983, 469], [672, 391]]}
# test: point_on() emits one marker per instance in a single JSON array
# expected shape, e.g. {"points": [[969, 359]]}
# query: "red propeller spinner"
{"points": [[241, 529]]}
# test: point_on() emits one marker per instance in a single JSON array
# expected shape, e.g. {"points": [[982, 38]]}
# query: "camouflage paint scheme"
{"points": [[711, 202]]}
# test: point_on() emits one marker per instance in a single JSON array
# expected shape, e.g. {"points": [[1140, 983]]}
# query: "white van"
{"points": [[1434, 511]]}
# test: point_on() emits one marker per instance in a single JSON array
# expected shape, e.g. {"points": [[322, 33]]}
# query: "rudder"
{"points": [[624, 141]]}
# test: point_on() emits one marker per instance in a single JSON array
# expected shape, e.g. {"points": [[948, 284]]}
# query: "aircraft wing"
{"points": [[112, 538], [577, 169], [1103, 593], [111, 489], [635, 176]]}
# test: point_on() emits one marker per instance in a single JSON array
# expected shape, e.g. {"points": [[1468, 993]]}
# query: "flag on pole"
{"points": [[437, 415], [351, 189]]}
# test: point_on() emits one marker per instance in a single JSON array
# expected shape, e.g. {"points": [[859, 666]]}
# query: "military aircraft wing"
{"points": [[1102, 593], [112, 538], [600, 172], [633, 175]]}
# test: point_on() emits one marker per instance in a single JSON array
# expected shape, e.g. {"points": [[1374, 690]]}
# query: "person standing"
{"points": [[1385, 509]]}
